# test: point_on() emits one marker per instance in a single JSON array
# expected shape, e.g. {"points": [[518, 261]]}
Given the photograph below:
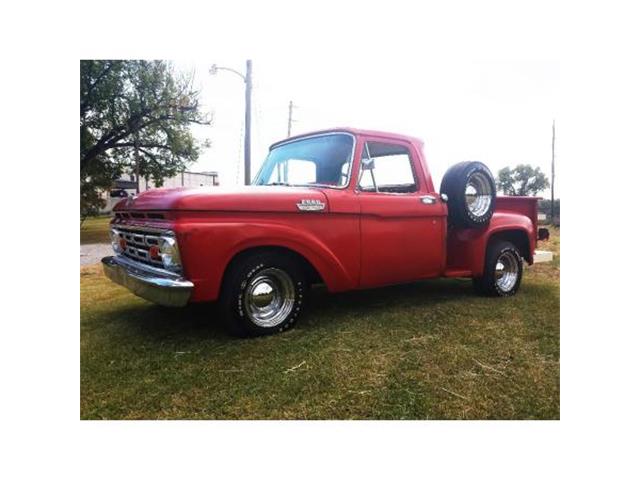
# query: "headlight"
{"points": [[170, 254], [115, 240]]}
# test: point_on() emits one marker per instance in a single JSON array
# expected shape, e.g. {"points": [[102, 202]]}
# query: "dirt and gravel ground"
{"points": [[91, 253]]}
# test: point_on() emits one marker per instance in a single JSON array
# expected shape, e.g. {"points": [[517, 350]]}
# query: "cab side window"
{"points": [[386, 168]]}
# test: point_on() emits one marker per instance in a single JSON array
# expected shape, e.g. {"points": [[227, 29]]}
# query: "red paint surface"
{"points": [[359, 240]]}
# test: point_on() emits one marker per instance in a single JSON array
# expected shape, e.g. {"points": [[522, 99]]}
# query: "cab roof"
{"points": [[356, 132]]}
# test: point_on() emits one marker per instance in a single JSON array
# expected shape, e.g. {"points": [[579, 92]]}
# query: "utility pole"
{"points": [[247, 124], [290, 118], [247, 113], [553, 170]]}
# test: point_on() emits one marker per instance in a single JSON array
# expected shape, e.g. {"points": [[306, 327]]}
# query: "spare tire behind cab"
{"points": [[471, 190]]}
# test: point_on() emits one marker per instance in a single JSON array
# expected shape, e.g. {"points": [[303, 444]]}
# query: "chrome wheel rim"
{"points": [[269, 297], [506, 272], [478, 194]]}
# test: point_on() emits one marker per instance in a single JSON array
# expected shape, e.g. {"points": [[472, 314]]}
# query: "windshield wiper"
{"points": [[278, 184]]}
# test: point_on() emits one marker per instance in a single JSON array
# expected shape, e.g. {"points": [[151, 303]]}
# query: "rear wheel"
{"points": [[263, 293], [502, 271]]}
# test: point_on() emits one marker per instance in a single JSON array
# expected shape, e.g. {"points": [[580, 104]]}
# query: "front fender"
{"points": [[207, 250]]}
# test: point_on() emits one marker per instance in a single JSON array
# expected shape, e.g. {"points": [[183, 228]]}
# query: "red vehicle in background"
{"points": [[349, 208]]}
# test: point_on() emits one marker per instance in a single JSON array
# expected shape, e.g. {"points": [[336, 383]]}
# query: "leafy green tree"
{"points": [[135, 116], [523, 180]]}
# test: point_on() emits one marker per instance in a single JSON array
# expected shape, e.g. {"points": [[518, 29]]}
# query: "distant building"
{"points": [[126, 185], [183, 179]]}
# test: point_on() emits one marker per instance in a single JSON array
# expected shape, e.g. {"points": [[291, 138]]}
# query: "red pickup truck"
{"points": [[351, 209]]}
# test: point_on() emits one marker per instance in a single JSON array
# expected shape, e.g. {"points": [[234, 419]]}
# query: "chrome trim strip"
{"points": [[143, 229]]}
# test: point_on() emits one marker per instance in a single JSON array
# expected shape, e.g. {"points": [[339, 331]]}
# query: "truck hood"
{"points": [[238, 199]]}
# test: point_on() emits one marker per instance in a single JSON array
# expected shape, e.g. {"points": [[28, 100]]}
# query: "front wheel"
{"points": [[263, 294], [502, 271]]}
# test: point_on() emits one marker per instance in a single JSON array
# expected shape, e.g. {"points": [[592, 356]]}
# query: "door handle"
{"points": [[428, 199]]}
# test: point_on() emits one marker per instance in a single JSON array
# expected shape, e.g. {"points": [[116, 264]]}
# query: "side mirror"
{"points": [[368, 164]]}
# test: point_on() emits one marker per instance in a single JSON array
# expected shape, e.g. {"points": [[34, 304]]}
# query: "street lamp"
{"points": [[247, 114]]}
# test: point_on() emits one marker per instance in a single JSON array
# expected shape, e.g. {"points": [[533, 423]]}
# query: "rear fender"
{"points": [[516, 228], [466, 249]]}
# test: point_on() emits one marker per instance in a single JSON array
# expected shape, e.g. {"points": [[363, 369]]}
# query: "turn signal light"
{"points": [[154, 252]]}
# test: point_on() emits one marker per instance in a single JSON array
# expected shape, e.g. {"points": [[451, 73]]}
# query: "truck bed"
{"points": [[527, 206], [466, 247]]}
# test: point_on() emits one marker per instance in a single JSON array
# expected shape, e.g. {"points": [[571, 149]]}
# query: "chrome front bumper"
{"points": [[149, 283]]}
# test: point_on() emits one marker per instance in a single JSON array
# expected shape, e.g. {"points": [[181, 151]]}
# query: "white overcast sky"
{"points": [[498, 112]]}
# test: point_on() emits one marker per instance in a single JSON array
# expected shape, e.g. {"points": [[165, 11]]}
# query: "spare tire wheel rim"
{"points": [[269, 298], [506, 271], [478, 194]]}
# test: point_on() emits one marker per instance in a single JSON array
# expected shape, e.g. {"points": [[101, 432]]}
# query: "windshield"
{"points": [[324, 160]]}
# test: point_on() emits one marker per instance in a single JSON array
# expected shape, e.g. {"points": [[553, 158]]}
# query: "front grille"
{"points": [[138, 242], [147, 215]]}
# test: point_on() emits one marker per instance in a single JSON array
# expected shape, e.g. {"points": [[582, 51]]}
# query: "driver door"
{"points": [[402, 223]]}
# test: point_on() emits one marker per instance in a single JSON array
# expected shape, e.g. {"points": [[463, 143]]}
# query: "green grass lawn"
{"points": [[429, 350], [95, 230]]}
